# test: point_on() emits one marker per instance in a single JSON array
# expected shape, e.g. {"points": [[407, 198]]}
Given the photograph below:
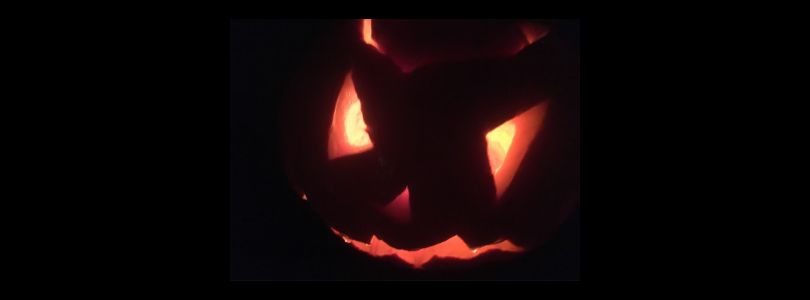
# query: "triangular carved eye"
{"points": [[507, 144], [498, 142], [348, 134]]}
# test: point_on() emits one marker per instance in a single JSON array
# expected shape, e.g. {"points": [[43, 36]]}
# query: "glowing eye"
{"points": [[355, 126], [498, 142], [347, 134], [507, 144]]}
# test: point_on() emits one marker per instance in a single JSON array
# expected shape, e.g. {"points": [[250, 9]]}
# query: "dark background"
{"points": [[151, 99], [276, 236]]}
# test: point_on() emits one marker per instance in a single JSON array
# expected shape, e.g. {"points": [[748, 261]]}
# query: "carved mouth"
{"points": [[454, 247]]}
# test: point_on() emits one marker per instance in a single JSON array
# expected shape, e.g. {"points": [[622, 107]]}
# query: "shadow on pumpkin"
{"points": [[429, 97]]}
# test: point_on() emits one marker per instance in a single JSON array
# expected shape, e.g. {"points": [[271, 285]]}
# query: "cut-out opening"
{"points": [[368, 35], [507, 145], [533, 32], [498, 142], [348, 133], [454, 247]]}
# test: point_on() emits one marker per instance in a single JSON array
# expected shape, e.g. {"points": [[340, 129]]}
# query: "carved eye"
{"points": [[507, 144], [348, 133], [423, 194]]}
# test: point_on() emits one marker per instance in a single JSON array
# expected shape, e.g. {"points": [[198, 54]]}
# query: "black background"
{"points": [[276, 236]]}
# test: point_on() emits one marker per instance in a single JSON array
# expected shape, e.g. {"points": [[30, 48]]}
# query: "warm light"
{"points": [[533, 32], [453, 247], [367, 35], [507, 144], [400, 209], [498, 142], [348, 134], [304, 197], [355, 126]]}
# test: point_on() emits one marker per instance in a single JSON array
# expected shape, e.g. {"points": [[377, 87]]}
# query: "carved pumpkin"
{"points": [[437, 140]]}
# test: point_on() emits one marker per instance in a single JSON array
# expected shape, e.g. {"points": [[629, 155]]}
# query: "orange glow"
{"points": [[348, 134], [400, 209], [507, 144], [367, 35], [355, 126], [453, 247], [533, 32], [498, 142]]}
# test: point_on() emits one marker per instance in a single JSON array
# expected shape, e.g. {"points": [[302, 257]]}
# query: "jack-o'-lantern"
{"points": [[437, 140]]}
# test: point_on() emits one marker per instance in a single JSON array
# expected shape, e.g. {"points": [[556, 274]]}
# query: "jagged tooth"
{"points": [[454, 247]]}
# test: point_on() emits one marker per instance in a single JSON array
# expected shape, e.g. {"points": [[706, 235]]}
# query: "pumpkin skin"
{"points": [[422, 184]]}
